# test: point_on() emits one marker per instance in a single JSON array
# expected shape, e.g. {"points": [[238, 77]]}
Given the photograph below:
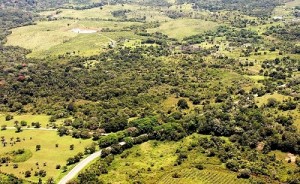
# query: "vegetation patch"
{"points": [[181, 28], [16, 156]]}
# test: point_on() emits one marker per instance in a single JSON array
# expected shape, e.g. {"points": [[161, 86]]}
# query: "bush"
{"points": [[199, 166], [27, 174], [245, 173], [23, 123], [9, 117], [105, 152], [176, 175], [182, 104]]}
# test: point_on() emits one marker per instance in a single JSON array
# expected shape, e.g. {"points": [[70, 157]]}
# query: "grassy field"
{"points": [[56, 37], [48, 154], [105, 13], [171, 103], [153, 162], [264, 99], [181, 28], [293, 3], [287, 9], [42, 119]]}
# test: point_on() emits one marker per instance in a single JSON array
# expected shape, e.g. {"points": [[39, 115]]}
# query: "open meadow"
{"points": [[181, 28], [55, 150], [52, 38]]}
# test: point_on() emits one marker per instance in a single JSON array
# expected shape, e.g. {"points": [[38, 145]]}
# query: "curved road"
{"points": [[79, 167]]}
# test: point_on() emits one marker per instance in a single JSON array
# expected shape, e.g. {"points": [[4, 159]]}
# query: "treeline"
{"points": [[234, 36], [254, 8], [289, 32]]}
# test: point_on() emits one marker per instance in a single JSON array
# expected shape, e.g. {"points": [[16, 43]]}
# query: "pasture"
{"points": [[50, 38], [48, 154], [181, 28], [42, 119], [106, 13]]}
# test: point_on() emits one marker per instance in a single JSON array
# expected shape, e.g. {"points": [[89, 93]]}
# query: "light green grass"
{"points": [[181, 28], [22, 157], [264, 99], [104, 13], [42, 119], [293, 3], [56, 37], [48, 153]]}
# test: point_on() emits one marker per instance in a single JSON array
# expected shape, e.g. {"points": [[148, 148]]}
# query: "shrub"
{"points": [[9, 117]]}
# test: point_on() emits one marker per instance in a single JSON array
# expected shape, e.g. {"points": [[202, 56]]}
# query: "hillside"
{"points": [[171, 91]]}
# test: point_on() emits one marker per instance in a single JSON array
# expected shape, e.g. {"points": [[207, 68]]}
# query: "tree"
{"points": [[245, 173], [182, 104], [272, 102], [50, 180], [62, 131], [3, 127], [9, 117], [105, 152], [37, 125], [232, 165], [42, 173], [128, 142], [90, 149], [108, 140], [27, 174], [18, 129], [38, 147], [40, 181], [23, 123]]}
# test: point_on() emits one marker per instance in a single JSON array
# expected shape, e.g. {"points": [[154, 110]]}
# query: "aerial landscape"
{"points": [[150, 91]]}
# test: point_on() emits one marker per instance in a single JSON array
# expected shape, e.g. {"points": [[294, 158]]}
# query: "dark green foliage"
{"points": [[254, 8], [169, 131], [182, 104], [38, 147], [9, 117], [144, 125], [108, 140]]}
